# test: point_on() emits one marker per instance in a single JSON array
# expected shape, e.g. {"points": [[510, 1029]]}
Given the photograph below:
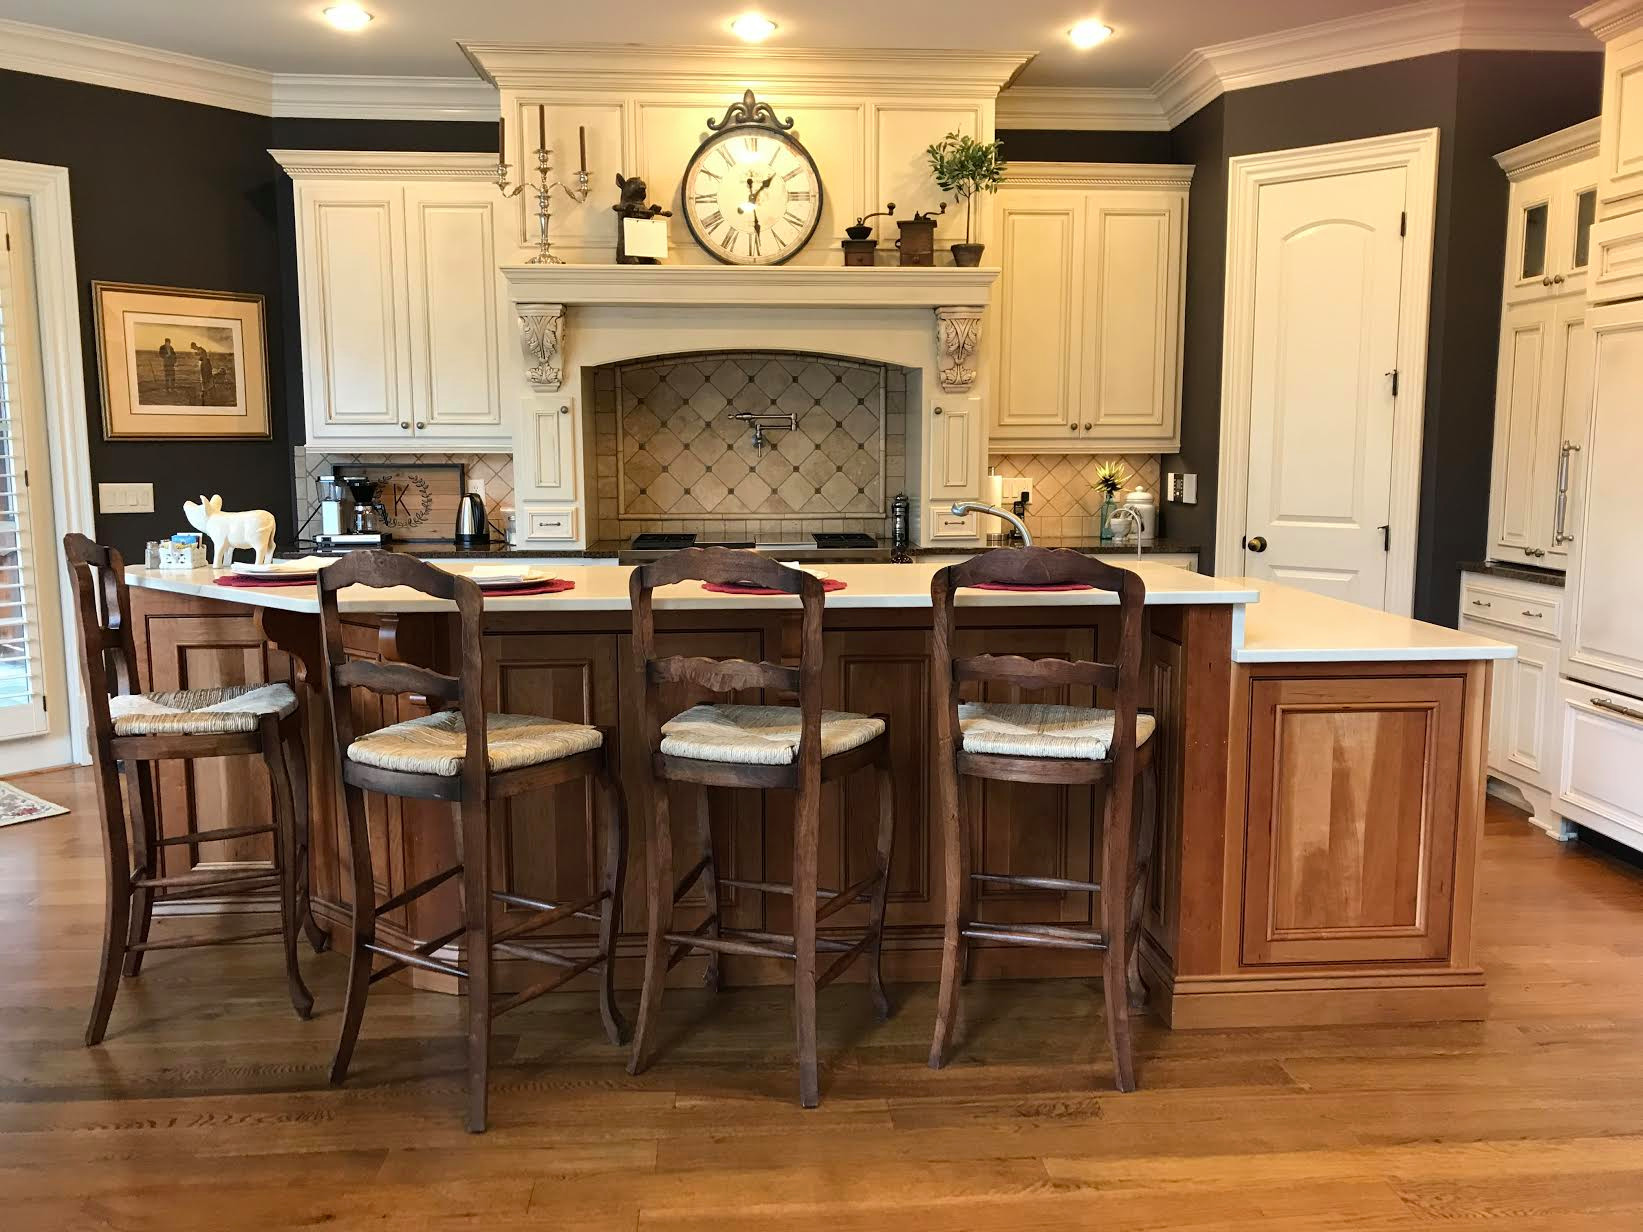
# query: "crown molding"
{"points": [[385, 164], [314, 96], [1608, 19], [1402, 33], [1559, 149], [1050, 107], [1025, 174], [607, 67]]}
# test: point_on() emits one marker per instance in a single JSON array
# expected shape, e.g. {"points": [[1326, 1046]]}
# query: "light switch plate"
{"points": [[1182, 489], [125, 498]]}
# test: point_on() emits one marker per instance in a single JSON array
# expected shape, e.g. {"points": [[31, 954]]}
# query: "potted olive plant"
{"points": [[964, 167]]}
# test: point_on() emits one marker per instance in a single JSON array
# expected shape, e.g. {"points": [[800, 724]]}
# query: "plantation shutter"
{"points": [[22, 671]]}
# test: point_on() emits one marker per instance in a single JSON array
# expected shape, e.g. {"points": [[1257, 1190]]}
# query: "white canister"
{"points": [[1145, 508]]}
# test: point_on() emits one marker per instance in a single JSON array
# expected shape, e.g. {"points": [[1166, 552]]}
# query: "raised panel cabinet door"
{"points": [[1040, 316], [1532, 233], [1574, 218], [1563, 456], [1352, 812], [1534, 673], [1520, 392], [554, 456], [957, 452], [1603, 643], [450, 236], [1132, 320], [1620, 135], [355, 333]]}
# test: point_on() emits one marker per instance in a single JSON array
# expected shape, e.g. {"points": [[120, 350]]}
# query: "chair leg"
{"points": [[296, 757], [881, 893], [806, 830], [117, 907], [958, 895], [1147, 809], [1116, 869], [139, 783], [476, 912], [285, 855], [658, 919], [361, 932], [710, 882], [610, 916]]}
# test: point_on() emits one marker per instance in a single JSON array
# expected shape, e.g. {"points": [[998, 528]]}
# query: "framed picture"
{"points": [[178, 363]]}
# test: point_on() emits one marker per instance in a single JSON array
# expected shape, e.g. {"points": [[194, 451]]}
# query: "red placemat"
{"points": [[248, 579], [1055, 586], [724, 588], [552, 586]]}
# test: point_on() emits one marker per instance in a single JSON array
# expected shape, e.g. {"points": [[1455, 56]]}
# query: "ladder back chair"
{"points": [[131, 730], [1040, 743], [793, 748], [461, 754]]}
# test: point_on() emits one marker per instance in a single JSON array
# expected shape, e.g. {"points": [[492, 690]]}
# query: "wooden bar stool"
{"points": [[460, 754], [765, 747], [1028, 743], [130, 731]]}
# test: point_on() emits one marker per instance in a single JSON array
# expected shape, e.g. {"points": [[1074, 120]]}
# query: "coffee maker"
{"points": [[358, 517]]}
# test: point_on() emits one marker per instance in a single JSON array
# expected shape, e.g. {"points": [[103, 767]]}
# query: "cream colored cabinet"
{"points": [[400, 299], [1617, 236], [955, 452], [1090, 308], [1544, 374]]}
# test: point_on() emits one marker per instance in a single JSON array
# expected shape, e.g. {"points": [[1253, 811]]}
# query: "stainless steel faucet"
{"points": [[960, 508], [767, 419]]}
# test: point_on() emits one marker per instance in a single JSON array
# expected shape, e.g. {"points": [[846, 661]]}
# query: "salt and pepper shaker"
{"points": [[901, 531]]}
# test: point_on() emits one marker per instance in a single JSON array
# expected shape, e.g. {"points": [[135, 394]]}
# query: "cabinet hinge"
{"points": [[45, 703], [1394, 375], [1403, 223]]}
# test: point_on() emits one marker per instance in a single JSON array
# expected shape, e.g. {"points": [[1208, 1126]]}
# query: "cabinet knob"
{"points": [[1088, 426], [564, 410], [1557, 279], [1546, 280], [405, 424], [1072, 427], [420, 425], [937, 411]]}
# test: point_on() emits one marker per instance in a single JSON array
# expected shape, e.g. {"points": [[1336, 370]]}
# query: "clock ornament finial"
{"points": [[750, 111]]}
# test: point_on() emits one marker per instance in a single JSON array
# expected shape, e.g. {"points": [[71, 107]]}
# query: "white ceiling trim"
{"points": [[313, 96], [1088, 110], [1608, 19]]}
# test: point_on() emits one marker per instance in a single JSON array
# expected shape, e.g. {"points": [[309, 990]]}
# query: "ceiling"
{"points": [[419, 37]]}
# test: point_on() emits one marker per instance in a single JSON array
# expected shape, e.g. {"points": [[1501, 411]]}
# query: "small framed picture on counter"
{"points": [[176, 363]]}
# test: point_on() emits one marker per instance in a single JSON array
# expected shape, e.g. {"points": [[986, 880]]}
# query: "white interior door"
{"points": [[1328, 273], [32, 733]]}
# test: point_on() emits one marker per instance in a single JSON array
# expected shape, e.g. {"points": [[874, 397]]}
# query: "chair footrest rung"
{"points": [[188, 943], [578, 910], [544, 916], [516, 950], [213, 836], [845, 897], [1039, 883], [548, 985], [850, 954], [418, 890], [416, 958], [207, 880], [1035, 934], [733, 944]]}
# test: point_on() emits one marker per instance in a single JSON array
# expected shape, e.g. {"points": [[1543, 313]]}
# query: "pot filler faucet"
{"points": [[767, 419], [960, 508]]}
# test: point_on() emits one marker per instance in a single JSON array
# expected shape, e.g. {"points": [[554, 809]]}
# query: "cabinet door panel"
{"points": [[1533, 675], [1132, 308], [1039, 314], [1620, 142], [956, 450], [1518, 396], [555, 457], [353, 310], [1562, 457], [1351, 818], [451, 262]]}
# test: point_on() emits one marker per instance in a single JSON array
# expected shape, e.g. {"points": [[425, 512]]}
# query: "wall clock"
{"points": [[752, 194]]}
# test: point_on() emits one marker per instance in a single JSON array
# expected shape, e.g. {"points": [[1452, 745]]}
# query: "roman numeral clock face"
{"points": [[752, 198]]}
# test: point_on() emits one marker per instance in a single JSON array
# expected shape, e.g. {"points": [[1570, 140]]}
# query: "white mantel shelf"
{"points": [[785, 286]]}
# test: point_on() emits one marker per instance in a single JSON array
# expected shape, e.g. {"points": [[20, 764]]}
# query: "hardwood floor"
{"points": [[207, 1107]]}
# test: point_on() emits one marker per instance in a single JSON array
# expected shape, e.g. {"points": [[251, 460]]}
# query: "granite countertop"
{"points": [[614, 549], [1517, 573]]}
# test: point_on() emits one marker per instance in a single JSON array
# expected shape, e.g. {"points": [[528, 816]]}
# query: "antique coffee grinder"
{"points": [[917, 244], [860, 248]]}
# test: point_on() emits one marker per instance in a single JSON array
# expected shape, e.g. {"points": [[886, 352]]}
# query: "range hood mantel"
{"points": [[793, 286]]}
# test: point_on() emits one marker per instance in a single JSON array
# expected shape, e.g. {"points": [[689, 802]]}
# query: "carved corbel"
{"points": [[958, 335], [542, 330]]}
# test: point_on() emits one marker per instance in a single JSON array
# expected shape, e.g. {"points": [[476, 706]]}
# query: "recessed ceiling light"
{"points": [[753, 27], [1087, 34], [347, 17]]}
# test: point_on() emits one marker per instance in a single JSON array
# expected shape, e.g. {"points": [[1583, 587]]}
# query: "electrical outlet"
{"points": [[1182, 489], [125, 498], [477, 487]]}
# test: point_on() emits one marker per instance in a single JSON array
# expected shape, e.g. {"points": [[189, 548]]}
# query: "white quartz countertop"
{"points": [[1291, 625], [1272, 623], [604, 588]]}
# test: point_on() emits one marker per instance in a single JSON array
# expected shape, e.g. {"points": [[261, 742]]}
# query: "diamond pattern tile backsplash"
{"points": [[668, 456], [1064, 501], [495, 469]]}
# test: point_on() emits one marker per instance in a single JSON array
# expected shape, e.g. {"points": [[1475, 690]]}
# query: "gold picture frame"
{"points": [[176, 363]]}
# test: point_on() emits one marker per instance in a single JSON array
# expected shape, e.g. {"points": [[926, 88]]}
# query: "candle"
{"points": [[502, 139], [541, 128], [582, 137]]}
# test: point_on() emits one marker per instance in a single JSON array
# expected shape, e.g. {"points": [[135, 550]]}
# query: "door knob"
{"points": [[1256, 543]]}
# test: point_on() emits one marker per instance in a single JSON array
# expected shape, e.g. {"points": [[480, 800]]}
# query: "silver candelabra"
{"points": [[544, 189]]}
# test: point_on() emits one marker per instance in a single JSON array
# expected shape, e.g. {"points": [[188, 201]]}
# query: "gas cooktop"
{"points": [[825, 541]]}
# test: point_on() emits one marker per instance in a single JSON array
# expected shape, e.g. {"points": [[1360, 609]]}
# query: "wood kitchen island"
{"points": [[1321, 772]]}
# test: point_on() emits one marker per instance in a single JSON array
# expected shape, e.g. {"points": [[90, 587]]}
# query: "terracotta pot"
{"points": [[967, 254]]}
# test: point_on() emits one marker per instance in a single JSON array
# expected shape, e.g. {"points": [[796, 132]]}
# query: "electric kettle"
{"points": [[471, 525]]}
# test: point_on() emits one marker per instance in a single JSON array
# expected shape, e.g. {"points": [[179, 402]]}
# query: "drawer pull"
{"points": [[1533, 615], [1481, 603], [1627, 712]]}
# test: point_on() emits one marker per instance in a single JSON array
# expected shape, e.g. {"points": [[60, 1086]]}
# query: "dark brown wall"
{"points": [[173, 194], [1072, 146]]}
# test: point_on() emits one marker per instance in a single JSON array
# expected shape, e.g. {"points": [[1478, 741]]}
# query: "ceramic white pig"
{"points": [[252, 529]]}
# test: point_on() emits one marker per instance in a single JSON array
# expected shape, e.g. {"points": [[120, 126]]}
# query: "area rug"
{"points": [[17, 805]]}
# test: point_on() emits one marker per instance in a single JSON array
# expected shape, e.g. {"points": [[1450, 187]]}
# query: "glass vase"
{"points": [[1108, 505]]}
